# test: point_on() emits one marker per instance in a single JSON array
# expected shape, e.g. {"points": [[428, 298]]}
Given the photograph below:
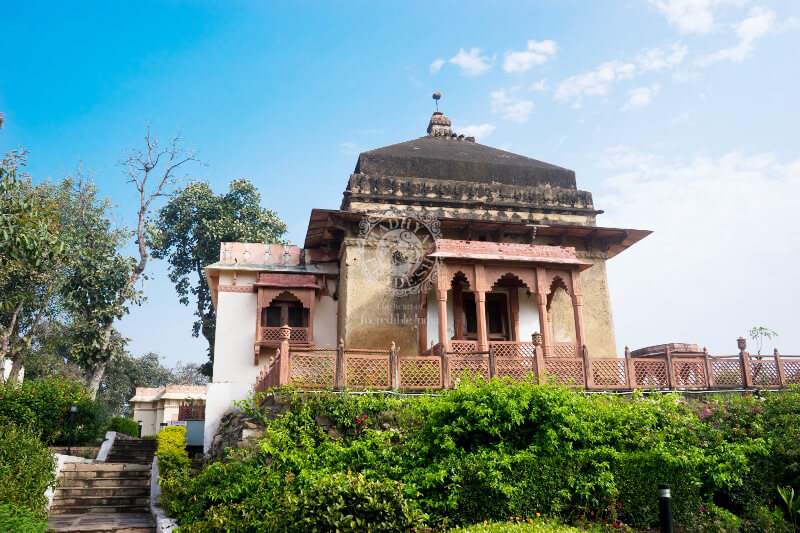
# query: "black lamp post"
{"points": [[140, 428], [72, 410]]}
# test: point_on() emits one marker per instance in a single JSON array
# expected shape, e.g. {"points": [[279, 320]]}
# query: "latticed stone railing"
{"points": [[192, 412], [340, 367]]}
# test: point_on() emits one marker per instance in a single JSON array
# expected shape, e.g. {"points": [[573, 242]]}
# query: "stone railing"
{"points": [[338, 368], [192, 412]]}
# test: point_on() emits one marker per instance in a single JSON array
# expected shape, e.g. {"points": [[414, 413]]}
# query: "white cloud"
{"points": [[598, 82], [510, 105], [657, 59], [595, 82], [536, 53], [540, 85], [679, 119], [479, 131], [758, 23], [692, 16], [472, 63], [641, 97], [348, 148], [436, 66], [721, 224]]}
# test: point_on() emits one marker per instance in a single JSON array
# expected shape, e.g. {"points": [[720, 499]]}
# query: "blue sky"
{"points": [[680, 116]]}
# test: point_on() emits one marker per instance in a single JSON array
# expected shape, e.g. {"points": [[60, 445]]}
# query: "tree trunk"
{"points": [[97, 377], [16, 366]]}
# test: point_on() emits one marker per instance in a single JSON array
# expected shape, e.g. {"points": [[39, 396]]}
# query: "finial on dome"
{"points": [[439, 125]]}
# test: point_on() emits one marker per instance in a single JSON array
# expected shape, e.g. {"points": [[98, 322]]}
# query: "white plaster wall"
{"points": [[219, 400], [433, 317], [148, 418], [236, 335], [325, 321], [528, 315]]}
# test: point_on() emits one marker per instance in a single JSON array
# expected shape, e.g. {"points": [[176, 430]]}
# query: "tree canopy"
{"points": [[188, 232]]}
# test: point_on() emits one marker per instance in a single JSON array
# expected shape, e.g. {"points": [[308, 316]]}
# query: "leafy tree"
{"points": [[188, 233], [124, 373], [30, 253]]}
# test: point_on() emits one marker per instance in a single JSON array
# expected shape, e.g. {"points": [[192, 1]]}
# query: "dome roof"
{"points": [[442, 155]]}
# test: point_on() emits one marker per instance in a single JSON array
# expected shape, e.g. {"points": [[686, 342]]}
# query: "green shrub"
{"points": [[346, 502], [45, 403], [126, 426], [486, 451], [518, 524], [171, 451], [17, 520], [27, 469]]}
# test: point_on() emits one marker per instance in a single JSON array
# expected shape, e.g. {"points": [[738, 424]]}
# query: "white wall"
{"points": [[219, 400], [528, 315], [433, 317], [236, 336], [145, 411]]}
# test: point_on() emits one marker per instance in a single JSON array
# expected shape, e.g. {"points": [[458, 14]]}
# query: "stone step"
{"points": [[98, 503], [102, 467], [111, 481], [98, 522], [92, 509], [116, 491], [122, 457], [108, 474], [134, 447]]}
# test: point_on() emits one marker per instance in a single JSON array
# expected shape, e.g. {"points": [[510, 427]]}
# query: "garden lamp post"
{"points": [[140, 428], [72, 410]]}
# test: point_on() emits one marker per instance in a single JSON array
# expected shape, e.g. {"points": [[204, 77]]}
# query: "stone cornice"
{"points": [[463, 194]]}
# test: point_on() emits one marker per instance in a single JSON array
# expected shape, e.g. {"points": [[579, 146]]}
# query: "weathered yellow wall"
{"points": [[370, 316], [563, 317], [597, 321]]}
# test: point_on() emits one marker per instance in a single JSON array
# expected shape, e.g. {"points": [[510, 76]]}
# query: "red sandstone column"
{"points": [[441, 296], [577, 308], [541, 300], [480, 310], [283, 360], [514, 303]]}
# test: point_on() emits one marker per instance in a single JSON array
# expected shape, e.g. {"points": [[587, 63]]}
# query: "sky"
{"points": [[680, 116]]}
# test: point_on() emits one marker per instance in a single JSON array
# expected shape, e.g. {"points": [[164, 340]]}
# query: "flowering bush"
{"points": [[45, 404]]}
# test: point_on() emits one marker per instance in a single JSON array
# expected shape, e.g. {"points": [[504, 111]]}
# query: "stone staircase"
{"points": [[129, 451], [110, 496]]}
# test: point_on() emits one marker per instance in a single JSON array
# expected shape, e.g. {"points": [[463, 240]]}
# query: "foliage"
{"points": [[487, 451], [30, 252], [18, 520], [520, 524], [27, 469], [188, 233], [124, 373], [347, 502], [759, 333], [792, 504], [126, 426], [171, 451], [45, 405]]}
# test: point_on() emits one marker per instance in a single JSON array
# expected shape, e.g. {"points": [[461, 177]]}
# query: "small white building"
{"points": [[156, 406]]}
